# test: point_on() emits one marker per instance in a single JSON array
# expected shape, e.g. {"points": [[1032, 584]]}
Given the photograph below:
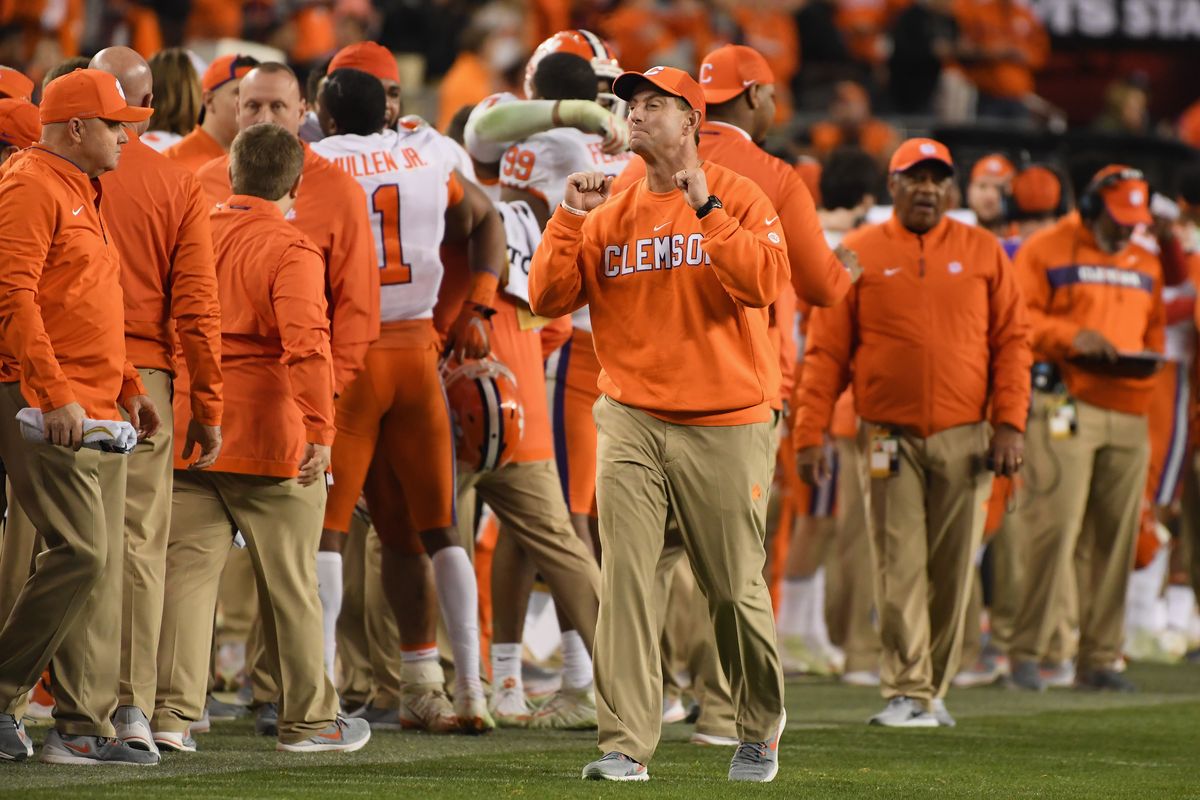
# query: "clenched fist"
{"points": [[849, 260], [586, 190], [694, 185]]}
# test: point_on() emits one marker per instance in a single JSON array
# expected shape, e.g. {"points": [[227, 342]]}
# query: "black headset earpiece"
{"points": [[1091, 204]]}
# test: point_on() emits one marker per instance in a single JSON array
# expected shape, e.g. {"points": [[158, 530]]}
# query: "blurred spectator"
{"points": [[490, 47], [64, 67], [849, 185], [638, 32], [864, 25], [850, 123], [1189, 125], [1039, 199], [1126, 107], [1002, 45], [215, 19], [177, 98], [924, 38], [990, 184], [769, 27]]}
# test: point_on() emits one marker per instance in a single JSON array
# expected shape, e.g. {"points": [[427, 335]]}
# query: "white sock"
{"points": [[506, 665], [1181, 603], [817, 631], [420, 666], [793, 608], [577, 664], [329, 588], [458, 599], [1141, 598]]}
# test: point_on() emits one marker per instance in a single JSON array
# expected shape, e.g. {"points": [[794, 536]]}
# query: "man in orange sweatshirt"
{"points": [[218, 118], [63, 351], [1093, 295], [934, 335], [159, 220], [679, 290], [269, 480]]}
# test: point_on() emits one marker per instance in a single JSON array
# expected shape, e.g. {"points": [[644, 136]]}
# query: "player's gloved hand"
{"points": [[616, 135], [469, 333]]}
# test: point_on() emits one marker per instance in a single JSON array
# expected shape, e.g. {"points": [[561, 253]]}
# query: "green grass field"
{"points": [[1007, 744]]}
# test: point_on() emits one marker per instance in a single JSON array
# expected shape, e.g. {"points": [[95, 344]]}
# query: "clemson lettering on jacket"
{"points": [[661, 252], [1099, 275]]}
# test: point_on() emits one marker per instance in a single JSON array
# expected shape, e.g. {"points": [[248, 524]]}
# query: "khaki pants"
{"points": [[850, 596], [18, 549], [715, 481], [281, 522], [383, 634], [147, 524], [70, 608], [696, 643], [353, 652], [1092, 507], [926, 522], [673, 587], [527, 499]]}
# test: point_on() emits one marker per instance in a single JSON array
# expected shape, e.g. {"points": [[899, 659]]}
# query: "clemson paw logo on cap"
{"points": [[1136, 197], [654, 70], [927, 149], [773, 237], [120, 91]]}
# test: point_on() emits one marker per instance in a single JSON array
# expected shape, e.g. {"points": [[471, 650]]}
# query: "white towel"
{"points": [[98, 434]]}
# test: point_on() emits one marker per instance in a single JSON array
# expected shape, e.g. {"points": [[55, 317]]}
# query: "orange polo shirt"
{"points": [[1070, 284], [331, 212], [158, 218], [61, 321], [679, 305], [817, 275], [274, 343], [195, 150], [933, 333]]}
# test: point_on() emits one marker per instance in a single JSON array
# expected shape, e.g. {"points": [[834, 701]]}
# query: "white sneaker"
{"points": [[904, 712], [173, 742], [472, 714], [1059, 676], [568, 710], [937, 707], [673, 711], [341, 736], [425, 706], [712, 740], [24, 737], [134, 729], [509, 706]]}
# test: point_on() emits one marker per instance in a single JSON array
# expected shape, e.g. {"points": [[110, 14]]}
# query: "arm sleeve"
{"points": [[817, 275], [1051, 336], [556, 272], [196, 309], [829, 346], [353, 286], [298, 300], [1008, 341], [131, 383], [748, 256], [28, 219], [491, 130]]}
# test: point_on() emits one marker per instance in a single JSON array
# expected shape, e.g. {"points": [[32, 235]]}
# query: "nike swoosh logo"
{"points": [[85, 750], [331, 737], [891, 272], [748, 83], [771, 221], [660, 227], [75, 213]]}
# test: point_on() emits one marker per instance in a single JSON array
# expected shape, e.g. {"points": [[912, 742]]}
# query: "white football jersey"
{"points": [[540, 165], [159, 140], [405, 178]]}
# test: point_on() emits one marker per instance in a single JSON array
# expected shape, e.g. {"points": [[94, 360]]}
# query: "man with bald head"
{"points": [[63, 354], [329, 209], [157, 215]]}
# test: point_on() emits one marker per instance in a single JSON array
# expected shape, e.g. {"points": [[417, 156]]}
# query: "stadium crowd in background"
{"points": [[753, 339]]}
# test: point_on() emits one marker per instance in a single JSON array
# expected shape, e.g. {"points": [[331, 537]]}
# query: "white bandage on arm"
{"points": [[491, 131]]}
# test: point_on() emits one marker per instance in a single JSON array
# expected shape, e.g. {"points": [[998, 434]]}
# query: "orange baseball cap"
{"points": [[914, 151], [1037, 190], [369, 57], [15, 84], [673, 81], [730, 70], [993, 164], [1126, 194], [19, 123], [88, 94], [225, 69]]}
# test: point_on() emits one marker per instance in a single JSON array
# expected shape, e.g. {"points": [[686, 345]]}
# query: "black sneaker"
{"points": [[12, 746], [266, 722], [1103, 680]]}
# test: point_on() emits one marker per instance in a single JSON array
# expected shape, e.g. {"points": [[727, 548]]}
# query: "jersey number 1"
{"points": [[385, 202]]}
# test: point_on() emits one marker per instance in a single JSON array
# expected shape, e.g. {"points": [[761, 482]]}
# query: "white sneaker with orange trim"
{"points": [[343, 736], [510, 707]]}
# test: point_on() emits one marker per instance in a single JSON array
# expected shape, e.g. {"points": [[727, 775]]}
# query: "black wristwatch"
{"points": [[713, 202]]}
